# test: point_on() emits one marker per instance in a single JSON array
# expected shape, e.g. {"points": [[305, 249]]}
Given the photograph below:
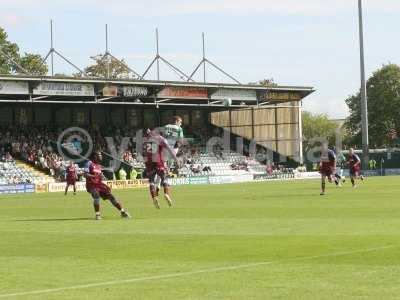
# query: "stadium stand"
{"points": [[228, 163], [39, 160], [34, 147], [221, 164], [12, 172]]}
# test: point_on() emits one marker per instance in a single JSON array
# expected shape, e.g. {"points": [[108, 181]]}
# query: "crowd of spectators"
{"points": [[5, 156], [10, 173], [242, 165], [33, 145], [193, 165], [36, 145]]}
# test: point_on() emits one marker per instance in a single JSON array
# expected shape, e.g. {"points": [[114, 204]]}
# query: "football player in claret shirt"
{"points": [[71, 176], [98, 189], [327, 166], [155, 149], [354, 163]]}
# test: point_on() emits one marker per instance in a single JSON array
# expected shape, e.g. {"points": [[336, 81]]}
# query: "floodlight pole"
{"points": [[204, 61], [300, 137], [158, 56], [107, 54], [363, 92], [109, 58], [107, 38], [53, 51], [51, 48], [157, 59], [204, 58]]}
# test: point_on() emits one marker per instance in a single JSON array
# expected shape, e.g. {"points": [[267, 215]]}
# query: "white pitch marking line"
{"points": [[184, 274]]}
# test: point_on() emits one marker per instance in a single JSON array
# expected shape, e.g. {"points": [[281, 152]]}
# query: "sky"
{"points": [[304, 43]]}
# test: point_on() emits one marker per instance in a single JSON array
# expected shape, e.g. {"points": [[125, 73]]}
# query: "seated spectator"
{"points": [[269, 169], [206, 169], [195, 168], [301, 169]]}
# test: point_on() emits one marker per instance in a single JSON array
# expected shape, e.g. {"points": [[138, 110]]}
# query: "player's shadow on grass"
{"points": [[53, 220]]}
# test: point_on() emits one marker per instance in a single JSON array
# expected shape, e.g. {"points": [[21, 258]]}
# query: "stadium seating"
{"points": [[229, 163], [12, 173], [221, 164]]}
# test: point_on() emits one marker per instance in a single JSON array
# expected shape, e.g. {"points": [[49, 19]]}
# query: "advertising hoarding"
{"points": [[134, 91], [14, 87], [235, 94], [17, 188], [64, 89], [183, 92]]}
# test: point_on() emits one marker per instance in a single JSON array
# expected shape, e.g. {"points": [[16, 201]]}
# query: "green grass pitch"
{"points": [[268, 240]]}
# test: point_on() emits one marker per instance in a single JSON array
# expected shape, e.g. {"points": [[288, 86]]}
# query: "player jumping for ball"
{"points": [[155, 148], [71, 177], [174, 135], [327, 166], [354, 163], [98, 189]]}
